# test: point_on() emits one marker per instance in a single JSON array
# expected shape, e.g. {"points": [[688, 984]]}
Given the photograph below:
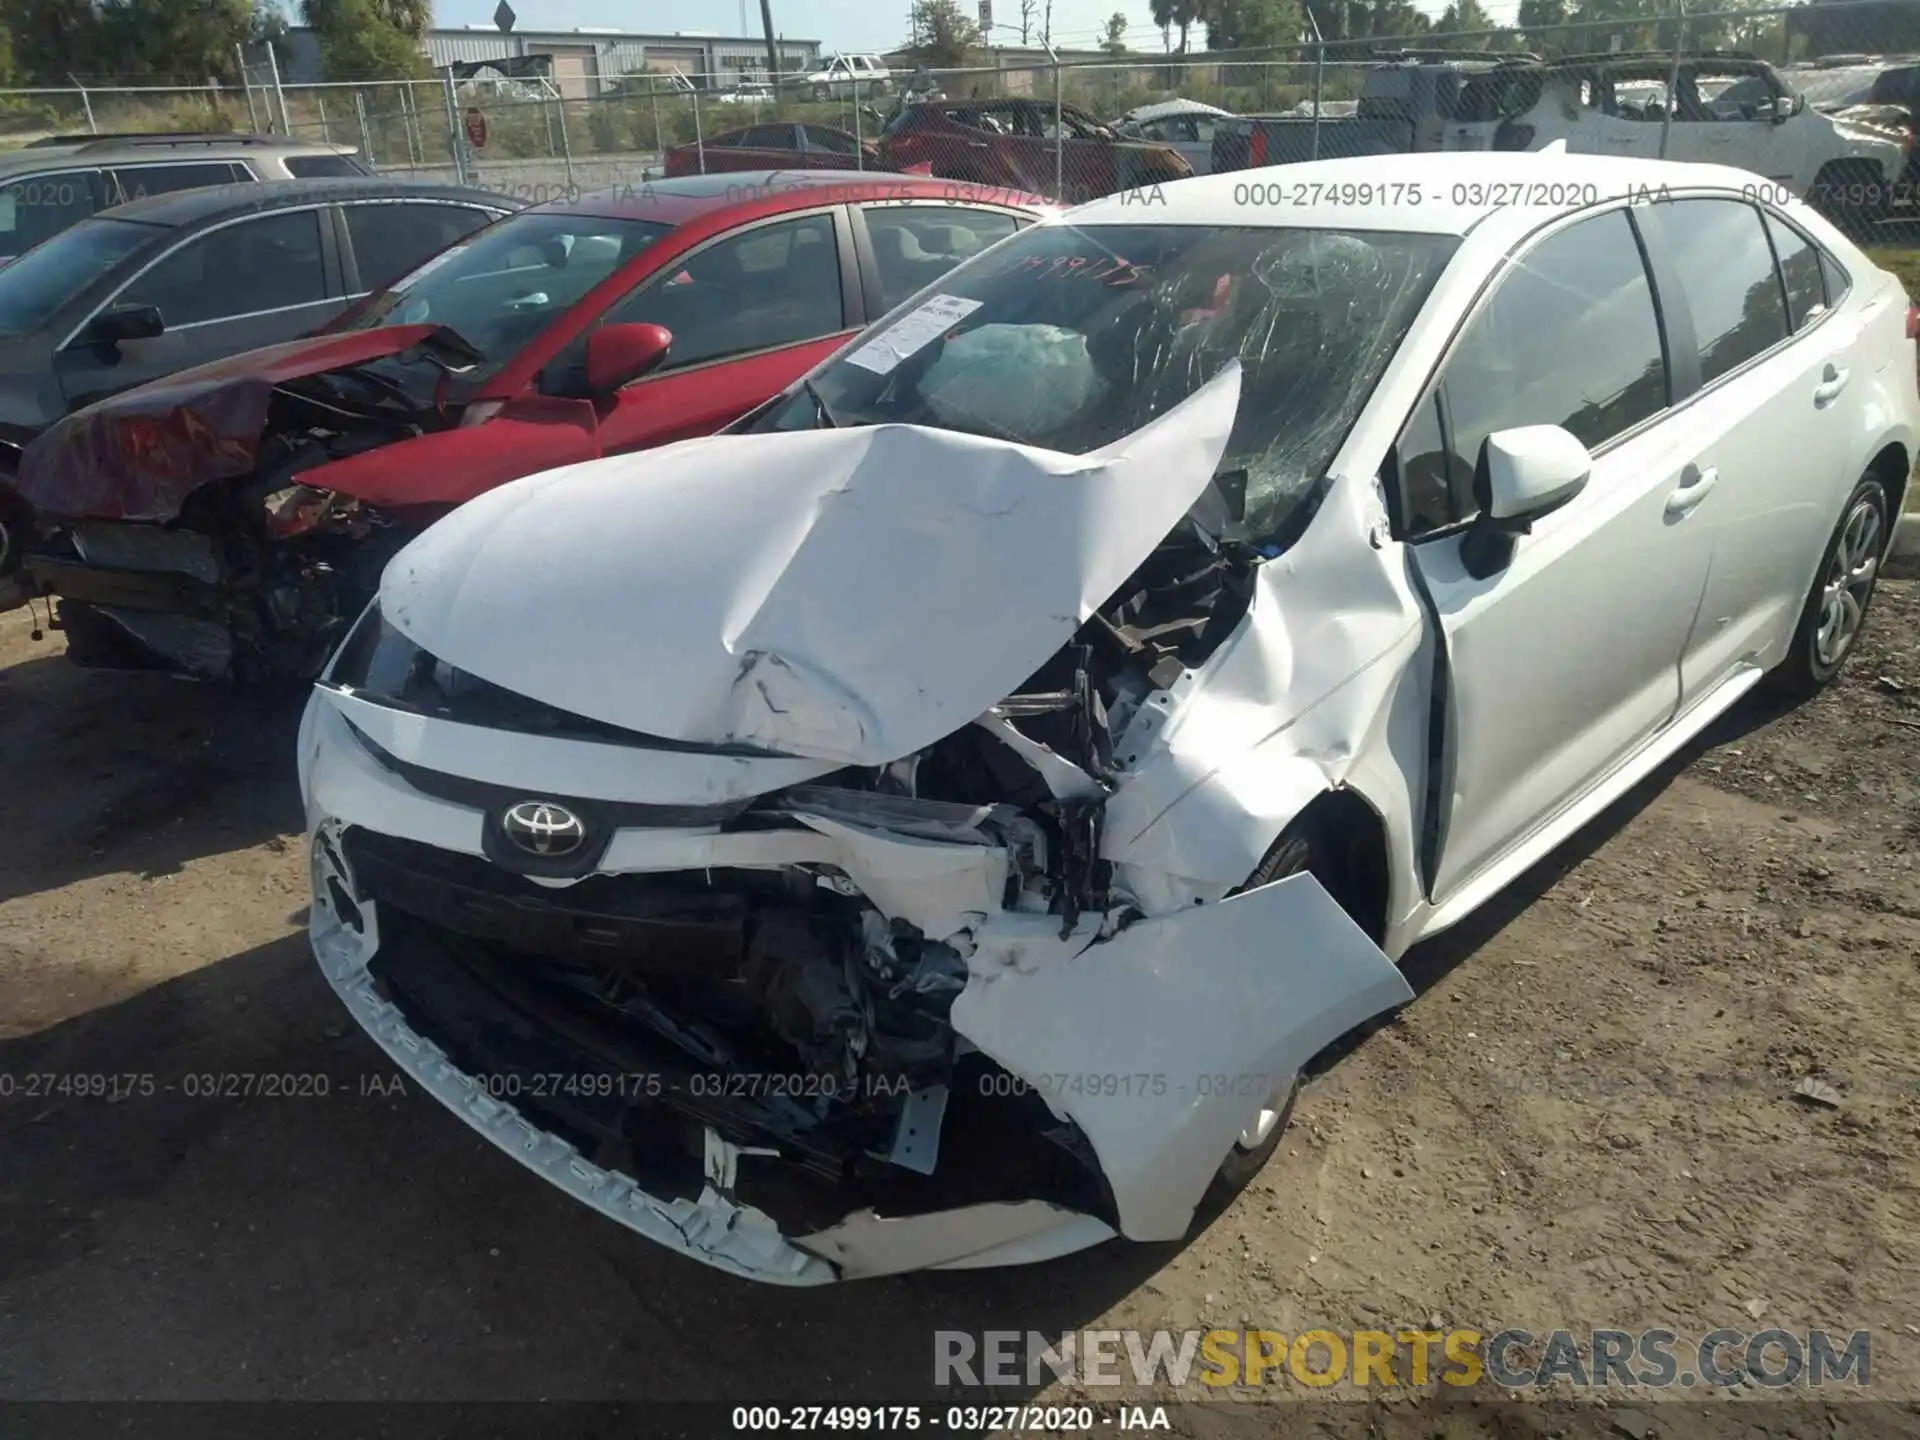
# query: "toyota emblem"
{"points": [[542, 828]]}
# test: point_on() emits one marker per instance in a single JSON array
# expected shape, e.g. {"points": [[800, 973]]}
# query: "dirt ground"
{"points": [[1586, 1119]]}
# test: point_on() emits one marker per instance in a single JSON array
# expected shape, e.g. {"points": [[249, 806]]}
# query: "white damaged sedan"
{"points": [[934, 824]]}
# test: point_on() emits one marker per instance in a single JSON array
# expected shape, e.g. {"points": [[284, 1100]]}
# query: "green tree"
{"points": [[1252, 24], [1115, 40], [1463, 17], [53, 38], [942, 34], [369, 39], [184, 40], [1181, 15]]}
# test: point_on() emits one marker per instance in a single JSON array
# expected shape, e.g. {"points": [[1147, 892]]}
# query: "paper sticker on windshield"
{"points": [[916, 330], [427, 269]]}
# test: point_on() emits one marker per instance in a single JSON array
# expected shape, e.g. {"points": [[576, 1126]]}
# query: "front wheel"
{"points": [[1306, 845], [1836, 607]]}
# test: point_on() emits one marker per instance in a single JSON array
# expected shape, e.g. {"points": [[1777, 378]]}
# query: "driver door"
{"points": [[244, 284], [1563, 663]]}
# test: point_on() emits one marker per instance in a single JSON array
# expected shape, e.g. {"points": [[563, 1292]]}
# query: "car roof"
{"points": [[1502, 183], [189, 207], [125, 148], [690, 197], [1160, 109]]}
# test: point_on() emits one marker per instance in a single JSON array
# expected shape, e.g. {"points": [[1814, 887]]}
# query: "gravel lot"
{"points": [[1584, 1120]]}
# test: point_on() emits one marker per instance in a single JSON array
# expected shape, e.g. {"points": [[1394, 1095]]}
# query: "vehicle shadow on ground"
{"points": [[257, 1165], [104, 772], [335, 1234]]}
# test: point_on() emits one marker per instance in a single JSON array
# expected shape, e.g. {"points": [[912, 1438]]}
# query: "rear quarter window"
{"points": [[325, 167]]}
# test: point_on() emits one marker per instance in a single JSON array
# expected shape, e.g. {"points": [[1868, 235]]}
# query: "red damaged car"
{"points": [[227, 521]]}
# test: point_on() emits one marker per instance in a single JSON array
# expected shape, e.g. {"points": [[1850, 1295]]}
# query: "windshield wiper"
{"points": [[823, 411]]}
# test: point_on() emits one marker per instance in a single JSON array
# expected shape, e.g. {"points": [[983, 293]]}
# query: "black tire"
{"points": [[1815, 655], [1306, 845]]}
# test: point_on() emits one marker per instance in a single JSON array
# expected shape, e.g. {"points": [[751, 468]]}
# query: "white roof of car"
{"points": [[1161, 109], [1417, 193]]}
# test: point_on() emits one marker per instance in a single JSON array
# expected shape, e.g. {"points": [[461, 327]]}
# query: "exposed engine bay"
{"points": [[256, 575], [778, 1006]]}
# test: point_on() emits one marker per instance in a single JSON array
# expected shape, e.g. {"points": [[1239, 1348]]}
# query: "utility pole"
{"points": [[1046, 27], [773, 52]]}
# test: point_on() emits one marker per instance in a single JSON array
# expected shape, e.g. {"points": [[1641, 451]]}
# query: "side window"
{"points": [[264, 264], [1429, 497], [37, 206], [1569, 338], [1799, 271], [1838, 283], [821, 137], [389, 239], [322, 167], [774, 285], [138, 181], [768, 137], [914, 245], [1725, 265]]}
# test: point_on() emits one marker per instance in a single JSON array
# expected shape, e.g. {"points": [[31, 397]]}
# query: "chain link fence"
{"points": [[1819, 100]]}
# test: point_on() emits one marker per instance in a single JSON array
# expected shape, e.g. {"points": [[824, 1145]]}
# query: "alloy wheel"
{"points": [[1851, 571]]}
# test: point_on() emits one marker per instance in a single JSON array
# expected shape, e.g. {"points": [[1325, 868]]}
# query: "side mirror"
{"points": [[620, 354], [1785, 108], [1521, 475], [126, 322]]}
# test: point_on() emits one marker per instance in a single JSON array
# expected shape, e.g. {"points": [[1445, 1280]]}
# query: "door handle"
{"points": [[1832, 381], [1695, 485]]}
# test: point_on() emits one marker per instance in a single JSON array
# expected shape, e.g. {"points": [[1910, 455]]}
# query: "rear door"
{"points": [[244, 283], [760, 147], [1773, 427], [750, 312], [1564, 663]]}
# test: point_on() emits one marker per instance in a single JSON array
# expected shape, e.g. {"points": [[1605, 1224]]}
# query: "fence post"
{"points": [[699, 137], [1673, 73], [1319, 81], [326, 134], [87, 105], [654, 96], [453, 128], [859, 152], [1059, 135], [566, 142], [273, 69], [366, 135], [246, 81]]}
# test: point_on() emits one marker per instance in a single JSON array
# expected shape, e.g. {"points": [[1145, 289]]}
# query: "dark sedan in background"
{"points": [[159, 285]]}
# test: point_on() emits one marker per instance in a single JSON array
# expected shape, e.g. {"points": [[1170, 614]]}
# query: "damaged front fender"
{"points": [[1164, 1042]]}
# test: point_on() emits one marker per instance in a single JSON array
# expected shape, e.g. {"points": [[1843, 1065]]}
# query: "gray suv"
{"points": [[53, 183]]}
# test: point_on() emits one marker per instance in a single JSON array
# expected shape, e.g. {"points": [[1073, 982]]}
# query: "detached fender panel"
{"points": [[1196, 1017]]}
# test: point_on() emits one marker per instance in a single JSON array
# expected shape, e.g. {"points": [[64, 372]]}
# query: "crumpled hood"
{"points": [[139, 454], [846, 594]]}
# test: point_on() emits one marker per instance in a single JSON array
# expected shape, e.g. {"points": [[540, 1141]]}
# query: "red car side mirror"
{"points": [[620, 354]]}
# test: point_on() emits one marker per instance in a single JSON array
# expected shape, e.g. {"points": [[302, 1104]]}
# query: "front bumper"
{"points": [[1173, 1031]]}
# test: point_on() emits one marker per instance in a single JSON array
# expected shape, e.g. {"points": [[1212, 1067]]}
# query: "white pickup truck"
{"points": [[1724, 110], [842, 75]]}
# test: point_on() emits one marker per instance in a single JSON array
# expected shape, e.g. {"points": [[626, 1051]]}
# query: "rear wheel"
{"points": [[1836, 607]]}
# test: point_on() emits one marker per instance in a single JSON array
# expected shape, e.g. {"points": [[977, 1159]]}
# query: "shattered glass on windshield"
{"points": [[1069, 338]]}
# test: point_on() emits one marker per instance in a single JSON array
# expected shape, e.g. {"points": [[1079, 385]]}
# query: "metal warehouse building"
{"points": [[585, 61]]}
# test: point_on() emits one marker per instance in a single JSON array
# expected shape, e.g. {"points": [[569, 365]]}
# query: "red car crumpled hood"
{"points": [[139, 454]]}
